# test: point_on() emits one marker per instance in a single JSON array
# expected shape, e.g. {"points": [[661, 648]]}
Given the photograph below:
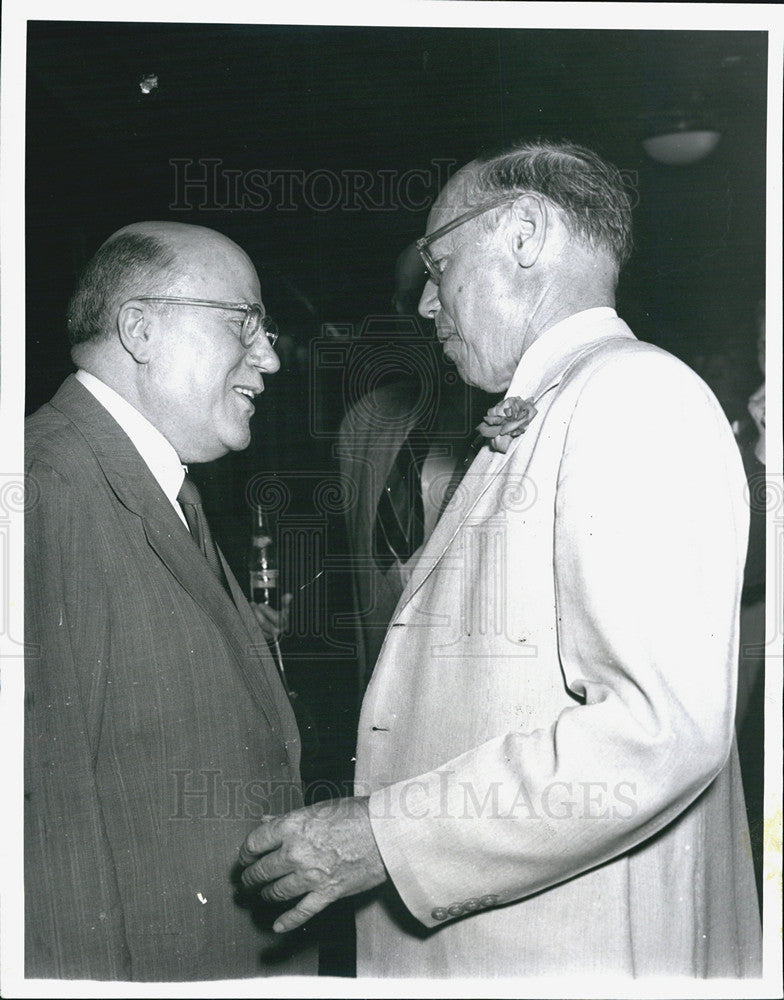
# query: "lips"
{"points": [[248, 393]]}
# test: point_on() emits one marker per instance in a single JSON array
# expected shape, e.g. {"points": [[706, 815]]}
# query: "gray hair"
{"points": [[126, 265], [589, 191]]}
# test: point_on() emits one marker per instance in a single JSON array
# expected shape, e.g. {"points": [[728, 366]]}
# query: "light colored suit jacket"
{"points": [[156, 728], [548, 734]]}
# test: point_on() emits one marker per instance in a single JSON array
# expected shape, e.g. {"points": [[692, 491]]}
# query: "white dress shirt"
{"points": [[156, 452]]}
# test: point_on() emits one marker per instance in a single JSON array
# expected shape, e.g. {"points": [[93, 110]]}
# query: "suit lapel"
{"points": [[187, 564], [489, 465], [136, 488], [479, 478]]}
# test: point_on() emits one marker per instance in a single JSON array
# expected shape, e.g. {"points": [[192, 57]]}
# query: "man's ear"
{"points": [[134, 327], [529, 228]]}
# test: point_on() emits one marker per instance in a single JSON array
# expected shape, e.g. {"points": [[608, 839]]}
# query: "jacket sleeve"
{"points": [[73, 914], [649, 537]]}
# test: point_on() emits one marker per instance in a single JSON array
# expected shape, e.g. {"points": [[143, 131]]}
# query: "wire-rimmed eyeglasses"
{"points": [[423, 245], [254, 320]]}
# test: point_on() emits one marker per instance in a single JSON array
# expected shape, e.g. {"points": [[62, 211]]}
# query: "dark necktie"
{"points": [[190, 500], [400, 517]]}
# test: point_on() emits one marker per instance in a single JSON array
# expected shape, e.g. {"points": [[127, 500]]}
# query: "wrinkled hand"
{"points": [[320, 853], [273, 622]]}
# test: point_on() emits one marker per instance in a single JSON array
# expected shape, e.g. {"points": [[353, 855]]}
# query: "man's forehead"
{"points": [[208, 249], [453, 200], [207, 264], [188, 242]]}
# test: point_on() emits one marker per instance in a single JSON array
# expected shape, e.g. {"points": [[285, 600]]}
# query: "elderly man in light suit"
{"points": [[547, 778]]}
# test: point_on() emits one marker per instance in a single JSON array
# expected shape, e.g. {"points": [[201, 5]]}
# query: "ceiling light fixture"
{"points": [[685, 132], [683, 144]]}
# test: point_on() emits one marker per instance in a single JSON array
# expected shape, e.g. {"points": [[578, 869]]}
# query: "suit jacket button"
{"points": [[470, 905], [439, 913], [455, 910], [489, 900]]}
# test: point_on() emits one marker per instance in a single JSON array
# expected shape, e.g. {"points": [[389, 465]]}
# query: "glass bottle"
{"points": [[263, 563]]}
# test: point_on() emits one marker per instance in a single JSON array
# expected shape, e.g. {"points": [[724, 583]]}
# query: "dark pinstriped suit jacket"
{"points": [[156, 729]]}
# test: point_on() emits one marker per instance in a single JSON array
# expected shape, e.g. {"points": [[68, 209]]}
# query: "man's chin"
{"points": [[476, 379], [453, 353], [217, 449], [238, 442], [451, 348]]}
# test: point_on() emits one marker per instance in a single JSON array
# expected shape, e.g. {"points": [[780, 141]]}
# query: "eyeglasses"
{"points": [[423, 245], [254, 320]]}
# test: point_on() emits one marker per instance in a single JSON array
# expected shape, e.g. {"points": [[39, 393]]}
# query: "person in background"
{"points": [[398, 447], [156, 726], [750, 709], [547, 776]]}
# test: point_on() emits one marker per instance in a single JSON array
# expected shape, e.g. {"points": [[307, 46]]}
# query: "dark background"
{"points": [[385, 99], [374, 103]]}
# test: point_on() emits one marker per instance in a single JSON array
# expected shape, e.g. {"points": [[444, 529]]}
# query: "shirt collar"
{"points": [[156, 452], [561, 341]]}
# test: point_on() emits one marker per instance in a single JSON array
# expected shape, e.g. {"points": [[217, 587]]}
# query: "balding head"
{"points": [[589, 192], [160, 317], [146, 258], [516, 244]]}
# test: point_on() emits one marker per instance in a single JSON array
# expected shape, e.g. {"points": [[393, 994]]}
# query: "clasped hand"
{"points": [[317, 855]]}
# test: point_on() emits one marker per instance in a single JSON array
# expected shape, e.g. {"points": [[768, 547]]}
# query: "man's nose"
{"points": [[261, 355], [428, 303]]}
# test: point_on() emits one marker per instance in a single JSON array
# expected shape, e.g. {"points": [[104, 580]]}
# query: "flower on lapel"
{"points": [[506, 420]]}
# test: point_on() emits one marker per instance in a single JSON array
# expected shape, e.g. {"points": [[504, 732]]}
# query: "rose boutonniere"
{"points": [[505, 421]]}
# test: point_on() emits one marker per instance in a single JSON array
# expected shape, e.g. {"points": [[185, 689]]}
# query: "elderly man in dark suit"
{"points": [[157, 729]]}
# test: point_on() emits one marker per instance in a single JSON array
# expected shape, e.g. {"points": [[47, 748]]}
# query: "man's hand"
{"points": [[273, 622], [321, 853]]}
